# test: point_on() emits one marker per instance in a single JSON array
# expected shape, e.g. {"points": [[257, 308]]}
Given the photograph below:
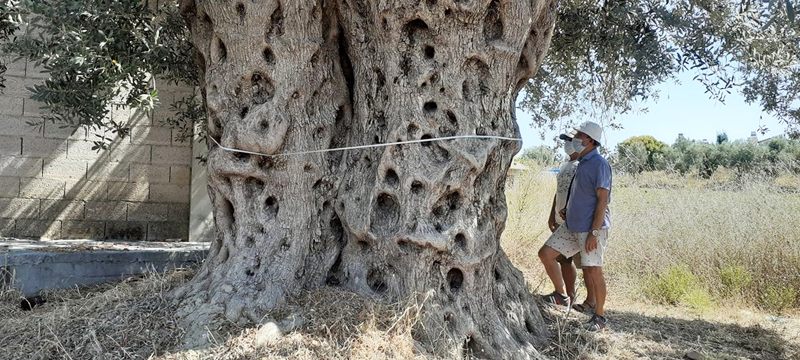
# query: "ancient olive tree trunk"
{"points": [[288, 76]]}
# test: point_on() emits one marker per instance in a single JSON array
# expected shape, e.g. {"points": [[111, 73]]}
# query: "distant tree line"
{"points": [[686, 156]]}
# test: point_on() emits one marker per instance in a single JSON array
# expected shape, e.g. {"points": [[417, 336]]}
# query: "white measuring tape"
{"points": [[367, 146]]}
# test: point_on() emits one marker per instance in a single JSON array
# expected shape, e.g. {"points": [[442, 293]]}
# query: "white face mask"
{"points": [[578, 145], [568, 148]]}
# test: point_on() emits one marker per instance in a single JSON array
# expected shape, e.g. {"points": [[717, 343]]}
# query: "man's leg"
{"points": [[569, 273], [548, 257], [592, 264], [590, 300], [595, 280]]}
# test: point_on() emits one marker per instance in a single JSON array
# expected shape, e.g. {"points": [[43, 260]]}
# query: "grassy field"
{"points": [[697, 267]]}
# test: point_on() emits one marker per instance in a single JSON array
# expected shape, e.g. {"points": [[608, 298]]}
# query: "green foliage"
{"points": [[640, 153], [674, 286], [778, 298], [9, 19], [541, 155], [644, 153], [606, 56], [722, 138], [100, 54], [735, 279]]}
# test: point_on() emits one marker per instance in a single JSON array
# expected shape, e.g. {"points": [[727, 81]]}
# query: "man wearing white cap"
{"points": [[586, 227]]}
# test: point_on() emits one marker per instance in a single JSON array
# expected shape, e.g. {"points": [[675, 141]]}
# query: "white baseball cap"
{"points": [[593, 129]]}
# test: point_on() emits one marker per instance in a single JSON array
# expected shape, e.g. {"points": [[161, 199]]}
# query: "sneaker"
{"points": [[556, 299], [596, 323]]}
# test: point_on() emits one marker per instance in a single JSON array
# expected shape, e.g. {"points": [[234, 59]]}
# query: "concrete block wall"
{"points": [[53, 185]]}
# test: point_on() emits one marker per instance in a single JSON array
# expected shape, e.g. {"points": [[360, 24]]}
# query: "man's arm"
{"points": [[597, 221], [551, 221]]}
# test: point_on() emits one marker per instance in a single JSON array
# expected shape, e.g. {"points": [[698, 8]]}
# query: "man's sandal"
{"points": [[584, 308]]}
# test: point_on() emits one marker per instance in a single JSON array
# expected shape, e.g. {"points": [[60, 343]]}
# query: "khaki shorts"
{"points": [[569, 243]]}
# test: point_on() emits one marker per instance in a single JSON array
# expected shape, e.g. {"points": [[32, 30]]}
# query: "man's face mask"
{"points": [[577, 144]]}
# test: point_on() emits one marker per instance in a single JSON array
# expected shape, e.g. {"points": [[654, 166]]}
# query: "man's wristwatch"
{"points": [[596, 232]]}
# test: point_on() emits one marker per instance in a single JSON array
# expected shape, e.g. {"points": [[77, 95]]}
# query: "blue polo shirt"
{"points": [[593, 173]]}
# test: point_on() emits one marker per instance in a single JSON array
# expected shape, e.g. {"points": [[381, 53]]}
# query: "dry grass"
{"points": [[326, 323], [130, 320], [655, 229]]}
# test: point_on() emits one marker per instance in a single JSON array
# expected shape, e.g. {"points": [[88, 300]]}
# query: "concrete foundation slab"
{"points": [[31, 266]]}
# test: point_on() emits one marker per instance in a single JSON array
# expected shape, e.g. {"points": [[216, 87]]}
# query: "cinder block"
{"points": [[171, 155], [180, 175], [157, 212], [85, 190], [45, 148], [18, 86], [150, 173], [65, 169], [83, 150], [117, 151], [20, 166], [126, 230], [11, 145], [61, 131], [93, 230], [17, 125], [106, 210], [128, 191], [19, 208], [14, 68], [163, 111], [168, 231], [7, 228], [32, 107], [128, 153], [33, 72], [170, 193], [151, 135], [10, 106], [61, 210], [40, 188], [38, 229], [180, 143], [9, 187], [132, 116], [113, 171]]}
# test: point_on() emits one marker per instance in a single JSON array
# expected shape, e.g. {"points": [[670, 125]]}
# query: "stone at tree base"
{"points": [[694, 355], [267, 335]]}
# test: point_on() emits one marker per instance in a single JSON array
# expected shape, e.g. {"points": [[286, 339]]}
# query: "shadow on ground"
{"points": [[636, 335]]}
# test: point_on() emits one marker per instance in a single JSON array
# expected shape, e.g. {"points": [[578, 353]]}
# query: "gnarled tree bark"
{"points": [[287, 76]]}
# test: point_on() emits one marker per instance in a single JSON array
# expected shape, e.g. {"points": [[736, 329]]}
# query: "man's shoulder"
{"points": [[599, 160]]}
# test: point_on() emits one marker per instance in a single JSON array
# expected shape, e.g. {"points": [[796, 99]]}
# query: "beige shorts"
{"points": [[569, 243]]}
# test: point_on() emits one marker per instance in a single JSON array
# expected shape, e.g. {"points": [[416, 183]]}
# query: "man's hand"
{"points": [[591, 243], [551, 223], [563, 213]]}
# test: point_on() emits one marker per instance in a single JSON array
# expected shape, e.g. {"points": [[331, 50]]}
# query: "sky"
{"points": [[680, 108]]}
